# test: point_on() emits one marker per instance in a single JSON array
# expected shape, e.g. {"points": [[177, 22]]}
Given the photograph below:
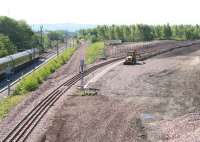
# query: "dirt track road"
{"points": [[156, 101]]}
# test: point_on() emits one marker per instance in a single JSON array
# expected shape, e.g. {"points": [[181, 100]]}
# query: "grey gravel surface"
{"points": [[157, 101]]}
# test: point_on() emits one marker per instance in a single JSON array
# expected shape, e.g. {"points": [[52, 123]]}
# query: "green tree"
{"points": [[141, 32], [6, 46], [18, 32], [167, 33]]}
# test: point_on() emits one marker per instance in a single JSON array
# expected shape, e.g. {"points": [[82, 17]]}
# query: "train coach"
{"points": [[15, 61]]}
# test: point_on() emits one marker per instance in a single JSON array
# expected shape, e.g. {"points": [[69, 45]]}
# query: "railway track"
{"points": [[24, 128], [47, 57], [53, 52]]}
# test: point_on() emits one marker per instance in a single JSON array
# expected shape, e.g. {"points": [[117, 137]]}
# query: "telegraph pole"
{"points": [[57, 48], [66, 43], [41, 37], [70, 41], [8, 75], [73, 42], [82, 73]]}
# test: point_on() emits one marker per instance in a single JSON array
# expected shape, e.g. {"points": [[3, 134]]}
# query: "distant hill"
{"points": [[65, 26]]}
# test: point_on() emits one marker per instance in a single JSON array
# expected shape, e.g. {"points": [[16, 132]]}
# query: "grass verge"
{"points": [[32, 82], [94, 51], [88, 93], [8, 103]]}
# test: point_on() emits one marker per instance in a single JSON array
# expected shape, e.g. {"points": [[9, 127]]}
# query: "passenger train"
{"points": [[13, 62]]}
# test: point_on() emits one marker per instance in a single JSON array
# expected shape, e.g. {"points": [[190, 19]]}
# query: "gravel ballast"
{"points": [[155, 101]]}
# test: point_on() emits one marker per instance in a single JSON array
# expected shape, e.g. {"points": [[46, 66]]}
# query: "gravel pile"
{"points": [[182, 129]]}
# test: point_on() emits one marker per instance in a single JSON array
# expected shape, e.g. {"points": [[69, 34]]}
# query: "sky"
{"points": [[103, 11]]}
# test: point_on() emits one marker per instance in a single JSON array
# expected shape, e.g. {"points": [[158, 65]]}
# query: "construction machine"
{"points": [[132, 58]]}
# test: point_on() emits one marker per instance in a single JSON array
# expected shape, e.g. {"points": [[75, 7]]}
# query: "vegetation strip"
{"points": [[17, 36], [94, 51], [141, 32], [32, 81]]}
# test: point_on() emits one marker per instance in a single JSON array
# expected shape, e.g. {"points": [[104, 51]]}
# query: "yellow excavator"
{"points": [[132, 58]]}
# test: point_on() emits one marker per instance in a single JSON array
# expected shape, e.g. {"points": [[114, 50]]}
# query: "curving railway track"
{"points": [[24, 128]]}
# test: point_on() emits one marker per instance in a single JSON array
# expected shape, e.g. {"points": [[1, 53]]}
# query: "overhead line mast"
{"points": [[41, 37]]}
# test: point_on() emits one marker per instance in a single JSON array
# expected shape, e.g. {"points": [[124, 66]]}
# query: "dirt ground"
{"points": [[156, 101], [58, 77], [122, 49]]}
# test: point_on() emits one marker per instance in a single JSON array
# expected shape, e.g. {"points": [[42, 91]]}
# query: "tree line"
{"points": [[141, 32], [16, 36]]}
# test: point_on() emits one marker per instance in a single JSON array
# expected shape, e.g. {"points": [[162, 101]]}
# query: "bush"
{"points": [[30, 84], [32, 81], [6, 46]]}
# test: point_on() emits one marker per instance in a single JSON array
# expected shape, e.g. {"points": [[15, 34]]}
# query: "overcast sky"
{"points": [[103, 11]]}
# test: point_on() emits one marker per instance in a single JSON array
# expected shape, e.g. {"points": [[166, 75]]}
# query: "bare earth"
{"points": [[61, 75], [156, 101]]}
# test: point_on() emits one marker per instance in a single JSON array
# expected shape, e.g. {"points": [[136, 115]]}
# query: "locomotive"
{"points": [[15, 61]]}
